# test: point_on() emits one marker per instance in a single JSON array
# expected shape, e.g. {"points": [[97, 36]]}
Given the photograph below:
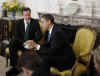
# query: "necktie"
{"points": [[26, 37], [49, 37]]}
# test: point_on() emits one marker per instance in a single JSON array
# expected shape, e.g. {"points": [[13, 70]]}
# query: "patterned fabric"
{"points": [[84, 43]]}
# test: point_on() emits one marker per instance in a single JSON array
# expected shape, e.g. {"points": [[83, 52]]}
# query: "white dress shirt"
{"points": [[26, 24], [50, 31]]}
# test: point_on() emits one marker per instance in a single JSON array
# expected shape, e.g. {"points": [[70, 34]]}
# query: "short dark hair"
{"points": [[26, 9], [48, 17], [29, 61]]}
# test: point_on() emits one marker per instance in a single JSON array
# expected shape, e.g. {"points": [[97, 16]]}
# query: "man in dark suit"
{"points": [[25, 29], [56, 51]]}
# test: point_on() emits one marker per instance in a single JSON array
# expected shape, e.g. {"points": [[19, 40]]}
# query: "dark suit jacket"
{"points": [[58, 50], [34, 33], [19, 32]]}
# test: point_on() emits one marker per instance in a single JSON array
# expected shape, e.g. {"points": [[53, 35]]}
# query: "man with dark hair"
{"points": [[26, 9], [29, 63], [27, 28], [48, 17], [24, 30], [56, 50]]}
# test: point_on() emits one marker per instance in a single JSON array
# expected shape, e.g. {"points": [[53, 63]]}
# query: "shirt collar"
{"points": [[50, 31], [26, 22]]}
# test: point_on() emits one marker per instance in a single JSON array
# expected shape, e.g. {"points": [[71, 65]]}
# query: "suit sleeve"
{"points": [[38, 33]]}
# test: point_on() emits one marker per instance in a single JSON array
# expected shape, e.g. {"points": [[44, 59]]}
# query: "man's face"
{"points": [[27, 72], [27, 15], [44, 24]]}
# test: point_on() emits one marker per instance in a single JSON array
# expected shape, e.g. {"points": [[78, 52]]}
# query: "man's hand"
{"points": [[31, 43]]}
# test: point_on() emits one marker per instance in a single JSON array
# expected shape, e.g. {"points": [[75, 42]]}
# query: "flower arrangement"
{"points": [[12, 6]]}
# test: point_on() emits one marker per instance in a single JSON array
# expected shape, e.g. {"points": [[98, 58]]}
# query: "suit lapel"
{"points": [[31, 25], [53, 32], [23, 26]]}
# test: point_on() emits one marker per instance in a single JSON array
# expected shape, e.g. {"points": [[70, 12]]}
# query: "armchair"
{"points": [[82, 46]]}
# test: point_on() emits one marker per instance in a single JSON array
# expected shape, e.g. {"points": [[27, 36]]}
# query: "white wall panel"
{"points": [[51, 6]]}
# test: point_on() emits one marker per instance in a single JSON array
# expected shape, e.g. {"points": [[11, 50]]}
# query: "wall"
{"points": [[52, 6], [41, 6]]}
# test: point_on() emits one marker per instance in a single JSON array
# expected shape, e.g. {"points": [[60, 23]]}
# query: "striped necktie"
{"points": [[26, 36]]}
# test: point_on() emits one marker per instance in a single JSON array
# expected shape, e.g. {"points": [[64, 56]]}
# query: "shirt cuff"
{"points": [[38, 47]]}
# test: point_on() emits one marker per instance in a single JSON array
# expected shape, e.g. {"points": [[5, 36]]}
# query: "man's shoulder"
{"points": [[58, 27], [34, 20], [22, 20]]}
